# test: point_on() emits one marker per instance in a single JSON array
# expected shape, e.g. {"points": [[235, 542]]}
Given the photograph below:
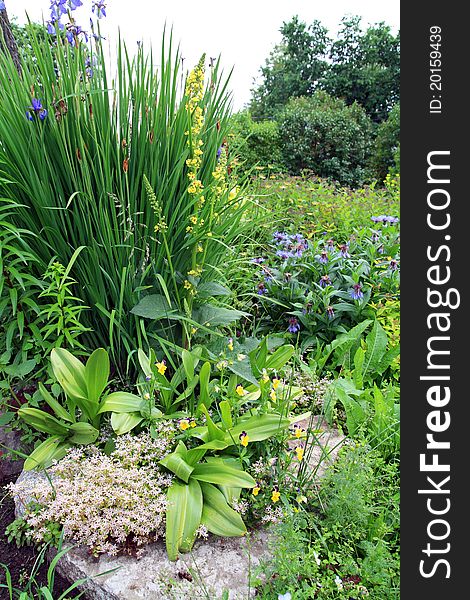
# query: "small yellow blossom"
{"points": [[275, 496], [265, 376], [240, 391], [161, 367], [230, 344], [200, 248], [184, 424], [299, 452], [298, 431], [193, 330], [146, 396], [241, 357], [187, 285], [255, 491], [244, 439], [233, 193], [272, 395], [193, 219], [276, 383], [192, 423]]}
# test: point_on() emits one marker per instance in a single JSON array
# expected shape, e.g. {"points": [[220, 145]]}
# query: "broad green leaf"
{"points": [[358, 367], [194, 455], [215, 433], [175, 463], [97, 374], [188, 364], [20, 371], [210, 315], [258, 428], [155, 307], [204, 378], [183, 516], [218, 516], [122, 402], [42, 421], [220, 473], [226, 414], [124, 422], [243, 369], [144, 362], [376, 345], [280, 357], [42, 454], [70, 373], [56, 406], [83, 433], [207, 289]]}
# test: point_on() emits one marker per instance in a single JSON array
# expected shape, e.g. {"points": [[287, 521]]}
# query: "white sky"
{"points": [[243, 32]]}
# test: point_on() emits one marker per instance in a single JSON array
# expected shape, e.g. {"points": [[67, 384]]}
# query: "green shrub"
{"points": [[256, 142], [386, 157], [323, 135]]}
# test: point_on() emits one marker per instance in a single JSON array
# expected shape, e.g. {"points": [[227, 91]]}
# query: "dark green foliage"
{"points": [[293, 67], [323, 135], [365, 67], [256, 142], [387, 145]]}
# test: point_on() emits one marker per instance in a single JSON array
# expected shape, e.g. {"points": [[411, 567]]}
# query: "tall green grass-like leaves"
{"points": [[78, 178]]}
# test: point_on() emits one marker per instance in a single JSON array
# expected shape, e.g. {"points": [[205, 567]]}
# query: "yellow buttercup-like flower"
{"points": [[184, 424], [275, 495], [256, 490], [161, 367], [240, 391], [230, 344], [276, 383]]}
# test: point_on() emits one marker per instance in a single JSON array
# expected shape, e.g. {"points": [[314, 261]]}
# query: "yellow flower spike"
{"points": [[240, 391], [244, 439], [275, 495], [161, 367], [276, 383]]}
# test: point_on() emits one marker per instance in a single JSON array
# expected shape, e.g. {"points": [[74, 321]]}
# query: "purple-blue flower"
{"points": [[58, 8], [75, 4], [324, 281], [284, 254], [323, 258], [330, 245], [393, 265], [343, 250], [2, 6], [330, 312], [257, 261], [294, 325], [356, 292], [36, 109], [100, 8], [261, 289]]}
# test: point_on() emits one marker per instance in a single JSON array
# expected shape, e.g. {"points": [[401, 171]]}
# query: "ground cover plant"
{"points": [[178, 324]]}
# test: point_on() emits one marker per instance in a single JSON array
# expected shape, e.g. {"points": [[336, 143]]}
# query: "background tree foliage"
{"points": [[359, 66]]}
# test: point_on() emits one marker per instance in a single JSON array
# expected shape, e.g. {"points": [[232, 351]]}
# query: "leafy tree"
{"points": [[365, 67], [23, 34], [387, 144], [293, 68]]}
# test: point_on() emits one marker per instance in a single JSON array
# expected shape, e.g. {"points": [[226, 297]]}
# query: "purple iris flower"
{"points": [[294, 325], [356, 292], [219, 152], [75, 4], [58, 8], [375, 237], [2, 6], [36, 109], [100, 8]]}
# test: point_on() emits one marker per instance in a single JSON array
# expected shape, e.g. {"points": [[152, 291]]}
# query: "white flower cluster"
{"points": [[108, 503]]}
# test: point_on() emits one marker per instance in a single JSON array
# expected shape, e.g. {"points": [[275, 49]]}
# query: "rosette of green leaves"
{"points": [[78, 422], [203, 490]]}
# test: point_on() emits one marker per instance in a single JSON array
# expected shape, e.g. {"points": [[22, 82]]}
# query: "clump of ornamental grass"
{"points": [[110, 504]]}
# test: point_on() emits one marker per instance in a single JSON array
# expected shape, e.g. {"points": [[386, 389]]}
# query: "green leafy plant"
{"points": [[79, 421]]}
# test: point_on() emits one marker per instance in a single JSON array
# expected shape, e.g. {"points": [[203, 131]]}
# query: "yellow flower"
{"points": [[200, 248], [275, 495], [184, 424], [276, 383], [230, 344], [244, 439], [146, 396], [161, 367], [298, 431], [233, 193], [265, 376], [255, 491], [272, 395], [240, 391], [193, 219], [193, 330], [299, 452], [187, 285], [193, 423]]}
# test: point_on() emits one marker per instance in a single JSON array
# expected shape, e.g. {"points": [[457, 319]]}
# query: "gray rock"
{"points": [[10, 464]]}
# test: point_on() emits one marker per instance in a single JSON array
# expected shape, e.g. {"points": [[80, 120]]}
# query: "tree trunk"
{"points": [[7, 40]]}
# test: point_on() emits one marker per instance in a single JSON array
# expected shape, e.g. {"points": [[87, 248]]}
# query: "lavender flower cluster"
{"points": [[289, 245], [59, 8], [104, 502], [385, 219]]}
